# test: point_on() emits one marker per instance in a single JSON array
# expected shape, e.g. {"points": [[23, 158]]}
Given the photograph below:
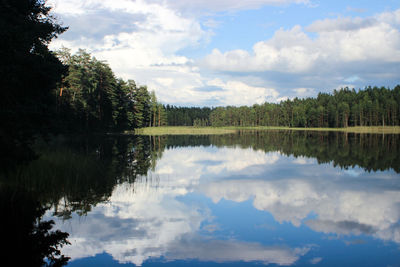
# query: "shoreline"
{"points": [[190, 130]]}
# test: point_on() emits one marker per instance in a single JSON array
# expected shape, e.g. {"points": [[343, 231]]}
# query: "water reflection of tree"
{"points": [[74, 174], [28, 240], [71, 175], [371, 152]]}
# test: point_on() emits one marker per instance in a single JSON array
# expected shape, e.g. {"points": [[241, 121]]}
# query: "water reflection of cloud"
{"points": [[147, 220], [233, 250], [134, 227], [340, 227], [303, 161], [353, 173], [341, 206], [185, 166], [316, 260]]}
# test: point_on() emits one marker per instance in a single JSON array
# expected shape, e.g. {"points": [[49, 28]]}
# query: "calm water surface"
{"points": [[250, 199]]}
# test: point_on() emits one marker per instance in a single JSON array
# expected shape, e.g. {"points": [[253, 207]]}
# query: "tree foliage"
{"points": [[187, 116], [90, 98], [28, 73], [369, 107]]}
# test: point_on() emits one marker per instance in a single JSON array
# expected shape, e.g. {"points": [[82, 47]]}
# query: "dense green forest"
{"points": [[369, 107], [187, 116], [90, 98], [57, 92], [346, 107], [45, 92]]}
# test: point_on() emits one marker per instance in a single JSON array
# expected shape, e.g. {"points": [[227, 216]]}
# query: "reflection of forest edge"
{"points": [[73, 174], [372, 152]]}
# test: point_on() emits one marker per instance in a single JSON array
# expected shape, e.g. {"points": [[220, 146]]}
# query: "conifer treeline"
{"points": [[187, 116], [91, 98], [369, 107]]}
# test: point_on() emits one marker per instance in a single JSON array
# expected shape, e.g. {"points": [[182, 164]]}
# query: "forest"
{"points": [[52, 102], [45, 93], [50, 92], [346, 107], [90, 98], [371, 106]]}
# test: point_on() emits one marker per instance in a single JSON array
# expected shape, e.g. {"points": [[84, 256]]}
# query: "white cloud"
{"points": [[155, 40], [304, 92], [71, 7], [288, 51], [146, 50], [238, 93], [227, 5], [341, 24], [392, 18], [339, 41], [143, 40]]}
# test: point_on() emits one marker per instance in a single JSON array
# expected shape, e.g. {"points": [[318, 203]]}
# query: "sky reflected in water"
{"points": [[208, 205]]}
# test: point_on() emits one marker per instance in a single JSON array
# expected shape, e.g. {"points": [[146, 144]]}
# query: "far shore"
{"points": [[190, 130]]}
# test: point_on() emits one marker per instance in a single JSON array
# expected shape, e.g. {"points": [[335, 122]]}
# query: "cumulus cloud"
{"points": [[304, 92], [144, 40], [288, 51], [341, 24], [226, 5], [337, 50], [141, 41], [237, 93], [138, 33], [339, 41]]}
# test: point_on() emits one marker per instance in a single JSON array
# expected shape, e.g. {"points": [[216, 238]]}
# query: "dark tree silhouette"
{"points": [[28, 240], [28, 74]]}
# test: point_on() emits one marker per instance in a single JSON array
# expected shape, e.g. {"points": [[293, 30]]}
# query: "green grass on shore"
{"points": [[187, 130], [183, 130]]}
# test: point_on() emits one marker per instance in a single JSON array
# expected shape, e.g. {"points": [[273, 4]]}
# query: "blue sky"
{"points": [[231, 52]]}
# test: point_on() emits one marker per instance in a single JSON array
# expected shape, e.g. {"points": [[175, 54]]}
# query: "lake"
{"points": [[276, 198]]}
